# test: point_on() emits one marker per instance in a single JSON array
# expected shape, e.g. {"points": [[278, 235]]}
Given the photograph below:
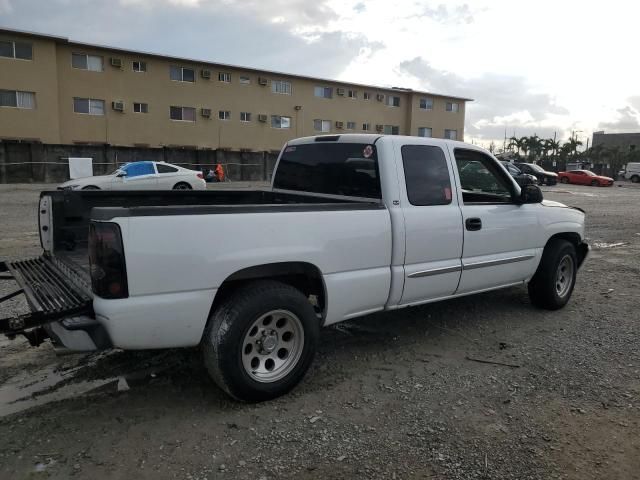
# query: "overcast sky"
{"points": [[532, 66]]}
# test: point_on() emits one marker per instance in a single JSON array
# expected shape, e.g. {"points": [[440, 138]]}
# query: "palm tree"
{"points": [[518, 143], [534, 145], [574, 143]]}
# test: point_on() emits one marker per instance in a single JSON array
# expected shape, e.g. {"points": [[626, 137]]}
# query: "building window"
{"points": [[352, 93], [181, 74], [280, 86], [393, 101], [452, 107], [17, 99], [323, 92], [366, 95], [86, 62], [391, 130], [90, 106], [426, 103], [451, 134], [366, 127], [224, 115], [19, 50], [245, 116], [278, 121], [185, 114], [224, 77], [322, 125], [140, 107], [424, 132], [139, 66], [351, 125], [244, 80]]}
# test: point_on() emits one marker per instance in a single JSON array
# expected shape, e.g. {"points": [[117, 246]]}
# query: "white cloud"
{"points": [[540, 66]]}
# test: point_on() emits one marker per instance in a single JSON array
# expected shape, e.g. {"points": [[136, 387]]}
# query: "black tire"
{"points": [[635, 179], [564, 180], [90, 187], [543, 287], [224, 339], [595, 183], [182, 186]]}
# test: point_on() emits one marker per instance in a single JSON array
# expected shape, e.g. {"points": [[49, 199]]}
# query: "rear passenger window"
{"points": [[426, 175], [162, 168]]}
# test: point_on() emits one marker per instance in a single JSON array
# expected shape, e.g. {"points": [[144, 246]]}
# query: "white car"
{"points": [[141, 176], [632, 172]]}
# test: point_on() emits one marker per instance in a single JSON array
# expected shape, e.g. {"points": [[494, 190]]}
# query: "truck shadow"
{"points": [[387, 341]]}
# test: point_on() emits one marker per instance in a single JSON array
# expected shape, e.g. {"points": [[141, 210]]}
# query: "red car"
{"points": [[585, 177]]}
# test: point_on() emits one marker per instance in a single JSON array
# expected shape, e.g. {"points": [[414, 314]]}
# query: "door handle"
{"points": [[473, 224]]}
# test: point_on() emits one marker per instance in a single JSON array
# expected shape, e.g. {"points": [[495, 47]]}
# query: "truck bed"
{"points": [[72, 211]]}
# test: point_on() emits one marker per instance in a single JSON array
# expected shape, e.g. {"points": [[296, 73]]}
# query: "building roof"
{"points": [[58, 39]]}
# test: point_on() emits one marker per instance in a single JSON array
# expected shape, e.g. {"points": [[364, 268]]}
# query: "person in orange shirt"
{"points": [[219, 172]]}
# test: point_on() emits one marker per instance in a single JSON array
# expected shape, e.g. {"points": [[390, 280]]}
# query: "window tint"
{"points": [[333, 168], [6, 49], [426, 175], [481, 179], [163, 168], [24, 51], [138, 168]]}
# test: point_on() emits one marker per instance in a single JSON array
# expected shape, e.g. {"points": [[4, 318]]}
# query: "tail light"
{"points": [[106, 258], [200, 176]]}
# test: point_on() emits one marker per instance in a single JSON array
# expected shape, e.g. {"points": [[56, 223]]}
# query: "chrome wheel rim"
{"points": [[564, 276], [272, 346]]}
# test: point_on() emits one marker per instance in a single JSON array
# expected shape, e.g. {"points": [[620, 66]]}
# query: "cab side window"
{"points": [[139, 168], [426, 175], [481, 179]]}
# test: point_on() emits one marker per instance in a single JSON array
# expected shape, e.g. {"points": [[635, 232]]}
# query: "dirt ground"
{"points": [[393, 395]]}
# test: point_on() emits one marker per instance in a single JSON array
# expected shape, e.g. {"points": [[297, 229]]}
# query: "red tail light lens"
{"points": [[200, 176], [106, 258]]}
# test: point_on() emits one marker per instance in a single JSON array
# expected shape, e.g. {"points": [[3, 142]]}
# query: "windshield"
{"points": [[536, 168], [587, 172]]}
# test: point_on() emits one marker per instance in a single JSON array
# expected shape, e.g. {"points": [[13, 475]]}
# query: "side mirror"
{"points": [[531, 194], [121, 173]]}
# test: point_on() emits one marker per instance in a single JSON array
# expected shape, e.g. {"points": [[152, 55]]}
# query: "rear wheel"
{"points": [[595, 183], [564, 180], [635, 178], [90, 187], [552, 285], [182, 186], [260, 342]]}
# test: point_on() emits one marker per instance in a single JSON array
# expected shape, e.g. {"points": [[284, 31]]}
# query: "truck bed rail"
{"points": [[49, 293]]}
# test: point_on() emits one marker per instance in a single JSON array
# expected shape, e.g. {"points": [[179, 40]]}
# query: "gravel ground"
{"points": [[393, 395]]}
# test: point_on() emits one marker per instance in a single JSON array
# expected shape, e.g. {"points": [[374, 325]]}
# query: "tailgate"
{"points": [[51, 294]]}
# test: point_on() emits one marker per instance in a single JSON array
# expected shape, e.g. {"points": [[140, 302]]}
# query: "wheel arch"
{"points": [[304, 276], [574, 238]]}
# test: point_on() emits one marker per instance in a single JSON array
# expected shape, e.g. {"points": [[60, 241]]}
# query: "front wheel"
{"points": [[564, 180], [635, 179], [595, 183], [552, 285], [260, 341], [182, 186]]}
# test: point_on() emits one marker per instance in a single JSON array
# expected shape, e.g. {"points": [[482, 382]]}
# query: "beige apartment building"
{"points": [[57, 91]]}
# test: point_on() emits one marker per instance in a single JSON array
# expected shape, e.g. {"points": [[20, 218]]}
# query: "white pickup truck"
{"points": [[352, 224]]}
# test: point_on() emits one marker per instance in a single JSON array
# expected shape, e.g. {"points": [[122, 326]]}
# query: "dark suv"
{"points": [[544, 177]]}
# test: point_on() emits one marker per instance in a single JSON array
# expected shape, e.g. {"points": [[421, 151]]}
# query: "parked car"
{"points": [[632, 172], [352, 224], [544, 177], [521, 178], [585, 177], [141, 176]]}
